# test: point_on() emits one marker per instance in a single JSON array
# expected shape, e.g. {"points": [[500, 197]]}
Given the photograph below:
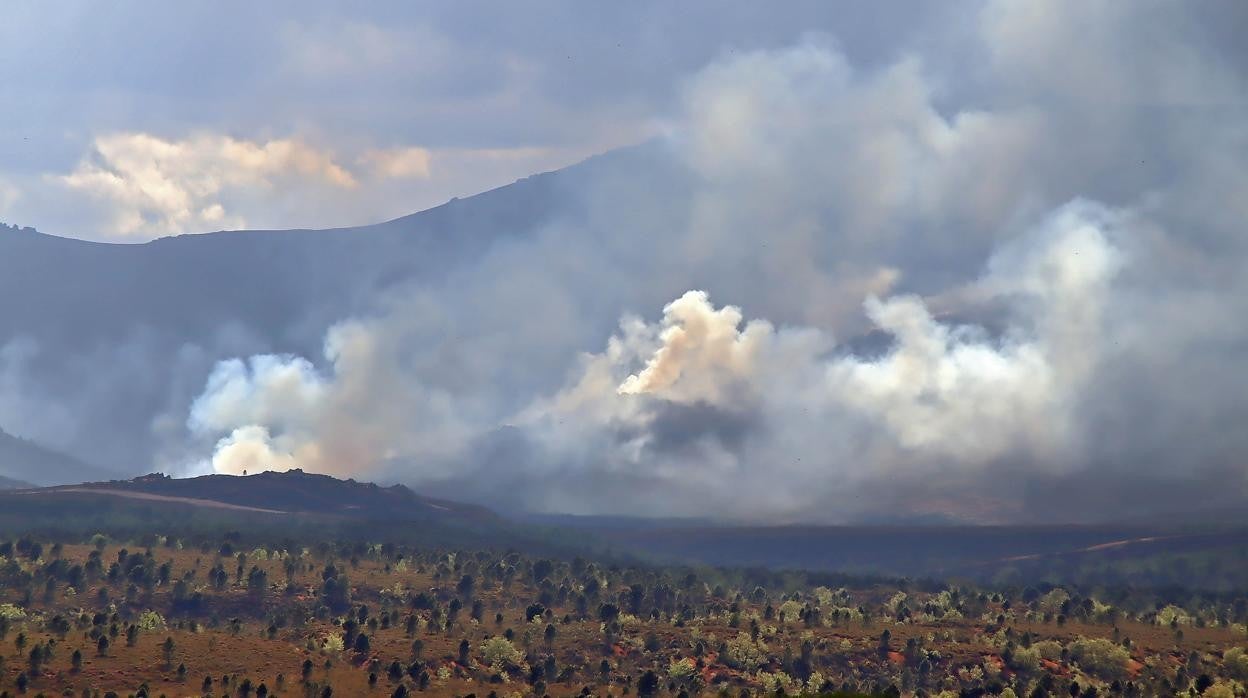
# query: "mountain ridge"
{"points": [[8, 483], [124, 332], [286, 492], [30, 464]]}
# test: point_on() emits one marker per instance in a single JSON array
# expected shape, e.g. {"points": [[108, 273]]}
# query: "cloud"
{"points": [[153, 185], [137, 186], [401, 162], [9, 195]]}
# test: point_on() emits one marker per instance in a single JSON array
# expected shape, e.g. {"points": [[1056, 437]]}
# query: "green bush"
{"points": [[1100, 657]]}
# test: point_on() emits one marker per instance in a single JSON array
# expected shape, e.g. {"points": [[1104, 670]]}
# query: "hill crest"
{"points": [[289, 492]]}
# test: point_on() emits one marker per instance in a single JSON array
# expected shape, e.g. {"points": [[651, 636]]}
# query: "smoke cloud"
{"points": [[706, 410], [896, 305], [989, 278]]}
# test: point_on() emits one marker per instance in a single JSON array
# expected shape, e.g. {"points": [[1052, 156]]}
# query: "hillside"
{"points": [[291, 492], [25, 462], [320, 616], [8, 483], [109, 328], [1136, 554], [266, 280]]}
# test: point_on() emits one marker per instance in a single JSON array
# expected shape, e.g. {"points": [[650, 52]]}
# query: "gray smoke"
{"points": [[967, 288]]}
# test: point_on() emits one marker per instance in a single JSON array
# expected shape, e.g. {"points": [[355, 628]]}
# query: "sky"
{"points": [[140, 119], [979, 259]]}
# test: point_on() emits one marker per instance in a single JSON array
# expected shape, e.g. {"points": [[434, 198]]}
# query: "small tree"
{"points": [[648, 684], [465, 586], [101, 647], [35, 660], [257, 583]]}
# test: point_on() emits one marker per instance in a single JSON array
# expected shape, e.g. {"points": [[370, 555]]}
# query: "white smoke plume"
{"points": [[280, 412], [907, 299], [698, 402], [757, 405]]}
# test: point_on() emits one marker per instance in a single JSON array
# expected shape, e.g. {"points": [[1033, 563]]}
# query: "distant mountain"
{"points": [[65, 292], [275, 505], [25, 462], [116, 331], [1136, 554], [7, 483]]}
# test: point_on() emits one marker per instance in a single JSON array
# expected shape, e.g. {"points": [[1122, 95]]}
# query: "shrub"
{"points": [[681, 669], [824, 596], [498, 652], [745, 654], [150, 621], [1048, 649], [1236, 661], [895, 601], [1219, 690], [1026, 659], [774, 682], [791, 611], [333, 643], [1173, 615], [1100, 657], [1052, 601]]}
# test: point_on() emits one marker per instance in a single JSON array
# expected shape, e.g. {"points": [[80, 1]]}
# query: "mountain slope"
{"points": [[266, 507], [291, 492], [27, 462], [7, 483], [261, 279], [126, 333]]}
